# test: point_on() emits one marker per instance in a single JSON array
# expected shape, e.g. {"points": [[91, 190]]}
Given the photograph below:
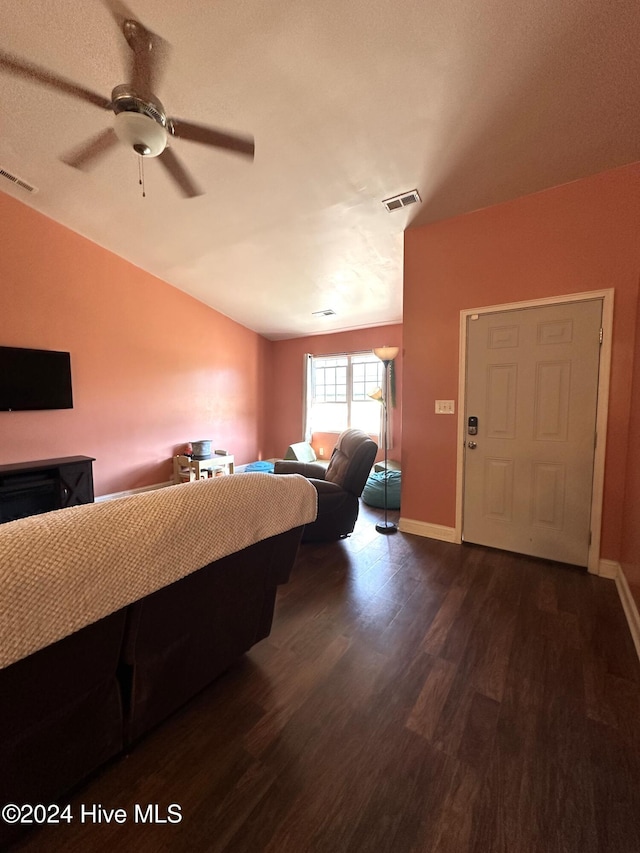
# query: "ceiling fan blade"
{"points": [[179, 174], [28, 71], [209, 136], [120, 11], [85, 154], [150, 51]]}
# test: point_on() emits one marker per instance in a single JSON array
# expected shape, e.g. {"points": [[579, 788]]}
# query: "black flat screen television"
{"points": [[34, 379]]}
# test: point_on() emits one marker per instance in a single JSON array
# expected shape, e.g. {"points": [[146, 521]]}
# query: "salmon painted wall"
{"points": [[285, 394], [630, 557], [152, 368], [577, 237]]}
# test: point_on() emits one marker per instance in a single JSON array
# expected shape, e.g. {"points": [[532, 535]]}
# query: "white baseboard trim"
{"points": [[630, 609], [101, 498], [608, 569], [430, 531]]}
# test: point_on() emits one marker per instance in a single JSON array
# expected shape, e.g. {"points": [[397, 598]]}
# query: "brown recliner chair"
{"points": [[339, 486]]}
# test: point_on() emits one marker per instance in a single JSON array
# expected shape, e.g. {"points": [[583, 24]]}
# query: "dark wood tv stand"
{"points": [[29, 488]]}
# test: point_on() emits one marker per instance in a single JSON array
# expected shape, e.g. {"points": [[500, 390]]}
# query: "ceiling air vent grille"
{"points": [[397, 202], [18, 181], [327, 312]]}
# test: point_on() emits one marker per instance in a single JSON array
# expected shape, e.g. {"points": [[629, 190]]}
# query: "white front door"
{"points": [[532, 385]]}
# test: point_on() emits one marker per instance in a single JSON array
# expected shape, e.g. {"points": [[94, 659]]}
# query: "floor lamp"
{"points": [[386, 356]]}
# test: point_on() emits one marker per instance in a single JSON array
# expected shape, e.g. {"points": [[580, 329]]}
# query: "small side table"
{"points": [[186, 469]]}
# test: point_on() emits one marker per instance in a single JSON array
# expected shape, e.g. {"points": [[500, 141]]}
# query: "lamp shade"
{"points": [[141, 133], [386, 353]]}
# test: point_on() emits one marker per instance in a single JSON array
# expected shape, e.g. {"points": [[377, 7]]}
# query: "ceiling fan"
{"points": [[141, 121]]}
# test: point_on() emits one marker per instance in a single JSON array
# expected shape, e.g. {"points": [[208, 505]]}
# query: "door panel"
{"points": [[498, 489], [532, 381], [502, 385], [548, 495], [551, 401]]}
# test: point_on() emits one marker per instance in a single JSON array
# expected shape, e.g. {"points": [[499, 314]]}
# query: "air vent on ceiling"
{"points": [[397, 202], [328, 312], [18, 181]]}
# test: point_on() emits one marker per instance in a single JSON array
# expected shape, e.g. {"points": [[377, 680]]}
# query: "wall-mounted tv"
{"points": [[34, 379]]}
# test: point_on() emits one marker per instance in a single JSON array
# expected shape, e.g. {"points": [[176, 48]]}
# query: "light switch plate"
{"points": [[445, 407]]}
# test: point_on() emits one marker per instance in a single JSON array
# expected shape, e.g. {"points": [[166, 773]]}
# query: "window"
{"points": [[340, 388]]}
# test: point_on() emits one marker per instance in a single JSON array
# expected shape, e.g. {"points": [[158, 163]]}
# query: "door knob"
{"points": [[471, 445]]}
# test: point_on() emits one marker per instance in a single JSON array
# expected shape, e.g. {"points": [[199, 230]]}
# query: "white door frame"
{"points": [[601, 412]]}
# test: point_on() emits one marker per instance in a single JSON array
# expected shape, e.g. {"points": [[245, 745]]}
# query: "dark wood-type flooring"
{"points": [[413, 696]]}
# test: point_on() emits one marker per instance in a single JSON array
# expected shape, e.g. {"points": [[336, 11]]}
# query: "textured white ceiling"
{"points": [[472, 103]]}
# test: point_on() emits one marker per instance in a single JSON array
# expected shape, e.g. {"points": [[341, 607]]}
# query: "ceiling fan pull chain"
{"points": [[141, 175]]}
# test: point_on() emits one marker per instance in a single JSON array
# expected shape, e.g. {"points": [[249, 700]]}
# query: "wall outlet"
{"points": [[445, 407], [321, 452]]}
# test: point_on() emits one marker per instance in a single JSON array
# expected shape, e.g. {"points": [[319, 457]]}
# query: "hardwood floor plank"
{"points": [[492, 641], [453, 830], [475, 574], [436, 636], [292, 695], [427, 709], [411, 781], [476, 744], [219, 819], [504, 817], [547, 598], [403, 636], [617, 798], [452, 722]]}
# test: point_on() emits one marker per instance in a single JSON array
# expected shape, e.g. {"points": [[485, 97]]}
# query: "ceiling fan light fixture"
{"points": [[141, 132]]}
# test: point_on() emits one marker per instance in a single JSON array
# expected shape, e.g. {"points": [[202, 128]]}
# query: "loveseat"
{"points": [[112, 615]]}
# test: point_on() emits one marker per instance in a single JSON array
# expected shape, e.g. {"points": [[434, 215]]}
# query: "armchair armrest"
{"points": [[307, 469]]}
